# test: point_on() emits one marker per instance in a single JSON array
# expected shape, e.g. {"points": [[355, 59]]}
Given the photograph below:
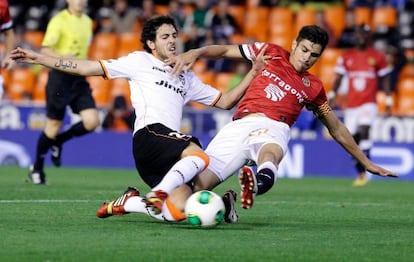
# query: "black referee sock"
{"points": [[43, 145], [76, 130], [265, 180]]}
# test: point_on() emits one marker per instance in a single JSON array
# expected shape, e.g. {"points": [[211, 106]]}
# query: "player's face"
{"points": [[77, 6], [304, 54], [362, 37], [165, 44]]}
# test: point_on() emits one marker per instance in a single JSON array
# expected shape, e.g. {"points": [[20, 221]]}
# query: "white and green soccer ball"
{"points": [[205, 209]]}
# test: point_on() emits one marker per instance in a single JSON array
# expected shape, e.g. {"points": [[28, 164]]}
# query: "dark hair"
{"points": [[149, 30], [315, 34]]}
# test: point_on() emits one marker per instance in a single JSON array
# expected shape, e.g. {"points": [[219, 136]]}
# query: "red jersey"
{"points": [[279, 92], [363, 68], [5, 19]]}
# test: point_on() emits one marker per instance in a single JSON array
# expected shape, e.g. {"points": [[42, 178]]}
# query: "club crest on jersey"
{"points": [[306, 81]]}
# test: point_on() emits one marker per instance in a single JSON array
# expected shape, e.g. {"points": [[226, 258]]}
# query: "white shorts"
{"points": [[362, 115], [241, 140]]}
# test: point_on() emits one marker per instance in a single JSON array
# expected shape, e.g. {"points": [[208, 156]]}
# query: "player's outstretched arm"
{"points": [[341, 134], [67, 65]]}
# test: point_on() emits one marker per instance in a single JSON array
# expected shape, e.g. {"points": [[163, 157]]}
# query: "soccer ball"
{"points": [[205, 209]]}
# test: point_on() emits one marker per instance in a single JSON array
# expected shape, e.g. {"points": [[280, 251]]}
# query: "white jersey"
{"points": [[156, 95]]}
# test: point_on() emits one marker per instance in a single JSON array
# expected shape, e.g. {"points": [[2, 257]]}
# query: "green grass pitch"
{"points": [[310, 219]]}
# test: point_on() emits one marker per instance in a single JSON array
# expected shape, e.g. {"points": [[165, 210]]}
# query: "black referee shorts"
{"points": [[156, 149], [67, 90]]}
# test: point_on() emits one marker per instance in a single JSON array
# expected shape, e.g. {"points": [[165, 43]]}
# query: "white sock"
{"points": [[182, 172]]}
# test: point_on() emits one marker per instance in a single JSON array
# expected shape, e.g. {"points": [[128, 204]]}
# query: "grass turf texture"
{"points": [[311, 219]]}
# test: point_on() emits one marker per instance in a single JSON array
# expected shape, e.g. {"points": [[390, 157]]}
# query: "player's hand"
{"points": [[182, 62], [8, 63], [379, 171], [261, 60], [24, 55]]}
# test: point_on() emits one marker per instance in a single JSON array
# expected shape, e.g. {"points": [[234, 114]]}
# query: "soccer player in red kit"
{"points": [[260, 131], [365, 69]]}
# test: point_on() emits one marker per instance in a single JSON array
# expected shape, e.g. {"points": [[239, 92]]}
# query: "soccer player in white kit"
{"points": [[165, 158]]}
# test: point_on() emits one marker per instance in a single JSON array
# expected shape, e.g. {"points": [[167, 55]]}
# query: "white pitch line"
{"points": [[375, 204], [28, 201], [267, 202]]}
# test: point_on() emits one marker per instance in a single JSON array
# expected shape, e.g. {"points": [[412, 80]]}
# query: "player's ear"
{"points": [[151, 44], [294, 45]]}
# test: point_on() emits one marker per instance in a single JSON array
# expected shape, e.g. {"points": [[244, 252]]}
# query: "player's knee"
{"points": [[206, 180]]}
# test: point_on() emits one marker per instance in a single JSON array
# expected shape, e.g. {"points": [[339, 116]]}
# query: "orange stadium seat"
{"points": [[128, 42], [405, 100], [281, 20], [407, 71], [137, 27], [330, 55], [199, 66], [39, 92], [161, 9], [21, 84], [363, 15], [34, 38], [256, 24], [314, 70], [381, 101], [334, 15], [384, 16], [188, 8], [222, 80], [304, 16], [284, 40], [104, 46], [326, 65], [100, 90], [120, 87], [237, 39], [238, 12], [207, 77]]}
